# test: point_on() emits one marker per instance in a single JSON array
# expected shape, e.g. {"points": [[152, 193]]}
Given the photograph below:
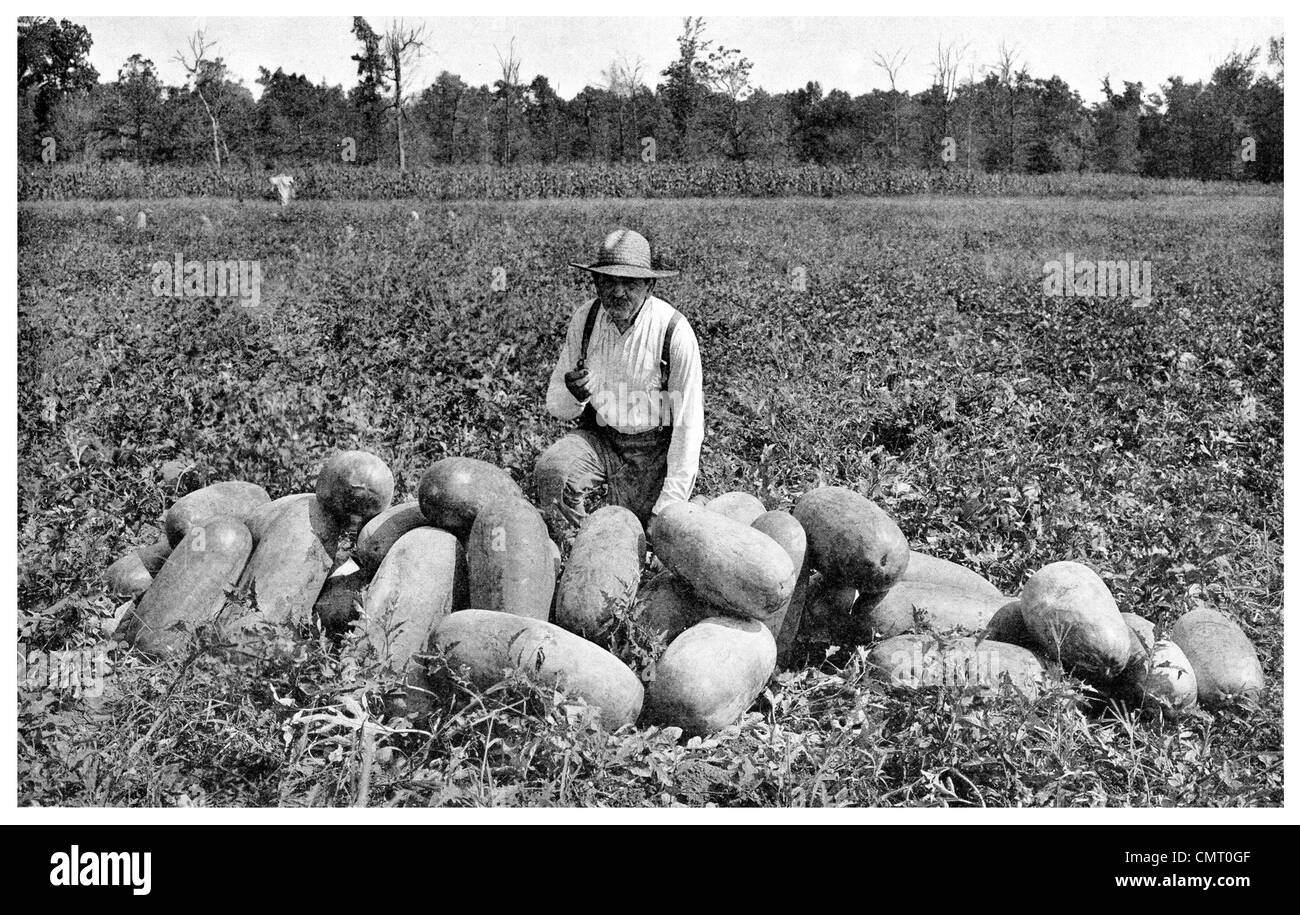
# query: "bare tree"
{"points": [[970, 117], [1010, 71], [947, 60], [623, 80], [403, 48], [892, 66], [202, 73], [508, 89]]}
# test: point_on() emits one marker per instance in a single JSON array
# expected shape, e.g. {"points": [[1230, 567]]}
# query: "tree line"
{"points": [[701, 107]]}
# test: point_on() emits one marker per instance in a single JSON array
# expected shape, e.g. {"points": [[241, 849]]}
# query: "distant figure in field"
{"points": [[629, 372], [283, 185]]}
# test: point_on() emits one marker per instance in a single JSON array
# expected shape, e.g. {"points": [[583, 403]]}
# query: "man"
{"points": [[283, 185], [629, 372]]}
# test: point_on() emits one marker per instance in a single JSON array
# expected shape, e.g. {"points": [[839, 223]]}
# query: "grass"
{"points": [[921, 364], [325, 181]]}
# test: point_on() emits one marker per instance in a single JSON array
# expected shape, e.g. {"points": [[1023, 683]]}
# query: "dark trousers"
{"points": [[632, 466]]}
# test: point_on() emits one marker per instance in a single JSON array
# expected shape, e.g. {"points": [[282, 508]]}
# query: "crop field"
{"points": [[124, 181], [903, 347]]}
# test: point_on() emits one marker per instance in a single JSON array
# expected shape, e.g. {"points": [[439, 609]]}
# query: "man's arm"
{"points": [[686, 399], [559, 402]]}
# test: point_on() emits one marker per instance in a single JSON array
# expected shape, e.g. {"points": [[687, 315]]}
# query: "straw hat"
{"points": [[624, 253]]}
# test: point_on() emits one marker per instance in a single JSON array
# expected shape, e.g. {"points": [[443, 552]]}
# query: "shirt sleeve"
{"points": [[686, 397], [559, 402]]}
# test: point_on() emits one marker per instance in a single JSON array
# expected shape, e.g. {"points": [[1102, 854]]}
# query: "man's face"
{"points": [[621, 296]]}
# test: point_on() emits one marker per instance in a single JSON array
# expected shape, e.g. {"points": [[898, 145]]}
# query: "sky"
{"points": [[787, 52]]}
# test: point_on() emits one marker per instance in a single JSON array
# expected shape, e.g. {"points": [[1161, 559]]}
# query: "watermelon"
{"points": [[487, 643], [234, 498], [1073, 618], [288, 569], [966, 664], [510, 564], [603, 570], [1221, 655], [735, 568], [354, 484], [191, 587], [710, 675], [851, 540], [738, 506], [942, 606], [420, 581], [453, 490]]}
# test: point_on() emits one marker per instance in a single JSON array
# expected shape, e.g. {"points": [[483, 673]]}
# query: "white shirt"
{"points": [[625, 385]]}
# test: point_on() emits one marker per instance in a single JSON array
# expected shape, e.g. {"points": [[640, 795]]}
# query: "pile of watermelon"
{"points": [[935, 623], [231, 535], [469, 566]]}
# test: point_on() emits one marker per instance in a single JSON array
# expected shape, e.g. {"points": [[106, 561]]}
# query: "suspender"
{"points": [[666, 360], [666, 357], [586, 331]]}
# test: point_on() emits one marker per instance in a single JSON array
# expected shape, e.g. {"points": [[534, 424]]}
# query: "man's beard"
{"points": [[628, 311]]}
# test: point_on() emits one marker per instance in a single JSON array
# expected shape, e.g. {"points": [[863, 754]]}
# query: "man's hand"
{"points": [[576, 381]]}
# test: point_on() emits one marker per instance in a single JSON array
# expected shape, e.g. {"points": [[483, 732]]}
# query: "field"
{"points": [[123, 181], [902, 346]]}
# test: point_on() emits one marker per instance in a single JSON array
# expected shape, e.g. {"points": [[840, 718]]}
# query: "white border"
{"points": [[1127, 816]]}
